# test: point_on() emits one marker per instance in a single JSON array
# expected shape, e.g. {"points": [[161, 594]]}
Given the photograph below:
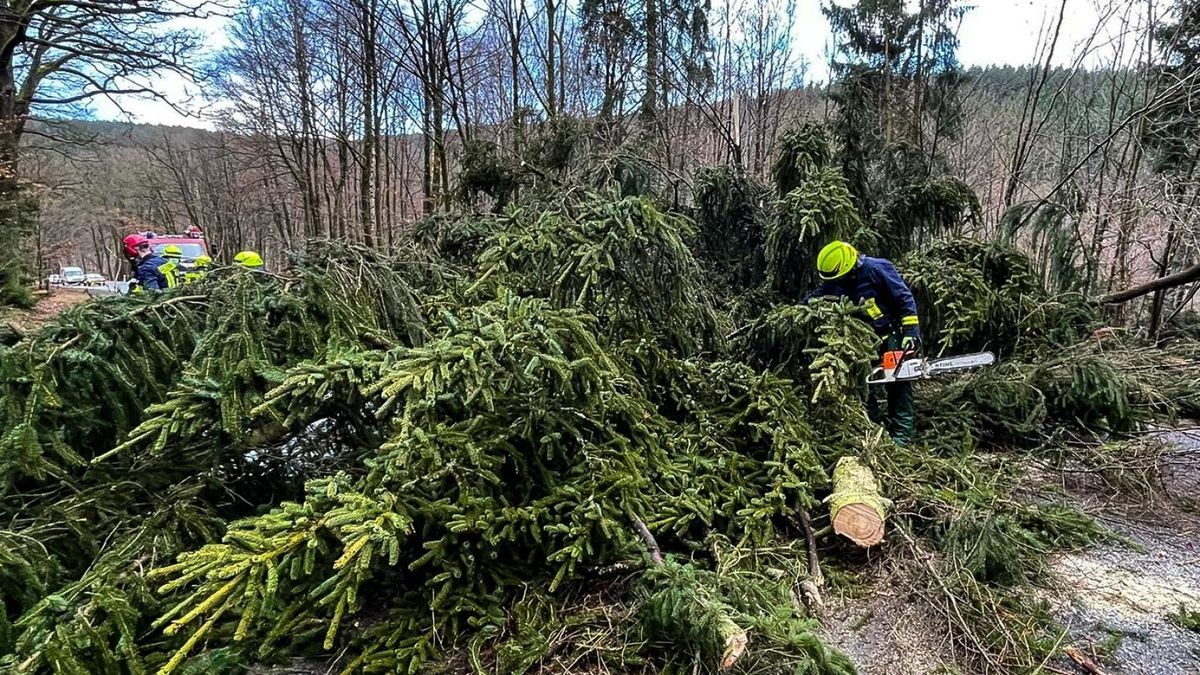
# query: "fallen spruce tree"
{"points": [[524, 443]]}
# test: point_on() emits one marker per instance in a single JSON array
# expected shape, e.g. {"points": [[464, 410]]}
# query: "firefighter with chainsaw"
{"points": [[888, 305]]}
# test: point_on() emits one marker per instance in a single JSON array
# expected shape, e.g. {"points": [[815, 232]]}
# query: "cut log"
{"points": [[856, 508]]}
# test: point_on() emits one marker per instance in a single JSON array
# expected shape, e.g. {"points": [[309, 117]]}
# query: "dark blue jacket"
{"points": [[875, 283], [149, 275]]}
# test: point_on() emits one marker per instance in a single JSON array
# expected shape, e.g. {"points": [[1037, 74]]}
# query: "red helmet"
{"points": [[130, 244]]}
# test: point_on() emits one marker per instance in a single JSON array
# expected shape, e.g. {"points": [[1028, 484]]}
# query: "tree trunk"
{"points": [[15, 221], [1160, 284], [514, 70], [1164, 264], [427, 181], [551, 64], [15, 266], [651, 32], [366, 175]]}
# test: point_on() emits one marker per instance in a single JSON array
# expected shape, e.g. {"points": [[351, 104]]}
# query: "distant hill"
{"points": [[97, 179]]}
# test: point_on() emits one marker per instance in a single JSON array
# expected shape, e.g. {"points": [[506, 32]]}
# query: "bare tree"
{"points": [[63, 53]]}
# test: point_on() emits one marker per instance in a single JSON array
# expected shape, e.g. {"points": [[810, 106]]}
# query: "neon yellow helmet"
{"points": [[836, 260], [172, 251], [248, 259], [203, 261]]}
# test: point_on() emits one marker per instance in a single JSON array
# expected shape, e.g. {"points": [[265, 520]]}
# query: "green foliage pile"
{"points": [[624, 262], [175, 377], [808, 217], [802, 152], [360, 428], [485, 171], [87, 376], [453, 240], [732, 210], [465, 456], [975, 296], [918, 212], [1050, 230], [689, 611], [979, 552], [557, 142], [1080, 394]]}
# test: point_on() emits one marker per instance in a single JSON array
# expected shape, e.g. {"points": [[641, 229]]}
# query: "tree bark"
{"points": [[367, 177], [651, 31], [551, 62], [1169, 281]]}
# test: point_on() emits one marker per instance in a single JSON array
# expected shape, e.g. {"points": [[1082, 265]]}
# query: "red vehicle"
{"points": [[191, 243]]}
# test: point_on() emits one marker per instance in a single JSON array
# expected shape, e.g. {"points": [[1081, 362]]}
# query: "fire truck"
{"points": [[191, 242]]}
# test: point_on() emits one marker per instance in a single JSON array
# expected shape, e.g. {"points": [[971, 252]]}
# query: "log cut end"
{"points": [[860, 524]]}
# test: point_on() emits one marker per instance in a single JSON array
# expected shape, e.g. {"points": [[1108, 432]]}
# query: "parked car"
{"points": [[73, 276], [95, 280], [55, 279]]}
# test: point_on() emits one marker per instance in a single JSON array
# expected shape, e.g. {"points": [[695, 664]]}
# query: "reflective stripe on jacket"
{"points": [[170, 272]]}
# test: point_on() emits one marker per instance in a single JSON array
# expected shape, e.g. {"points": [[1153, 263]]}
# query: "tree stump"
{"points": [[856, 507]]}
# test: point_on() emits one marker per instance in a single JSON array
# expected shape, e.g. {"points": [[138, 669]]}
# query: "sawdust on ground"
{"points": [[1116, 601], [885, 631]]}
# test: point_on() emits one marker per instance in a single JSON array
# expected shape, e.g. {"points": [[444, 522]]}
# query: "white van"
{"points": [[73, 276]]}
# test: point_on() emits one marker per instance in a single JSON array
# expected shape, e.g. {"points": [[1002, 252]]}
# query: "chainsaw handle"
{"points": [[879, 376]]}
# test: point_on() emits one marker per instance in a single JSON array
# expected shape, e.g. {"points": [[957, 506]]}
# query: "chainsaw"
{"points": [[901, 366]]}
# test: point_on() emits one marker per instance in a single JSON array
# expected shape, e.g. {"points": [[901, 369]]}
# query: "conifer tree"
{"points": [[897, 81]]}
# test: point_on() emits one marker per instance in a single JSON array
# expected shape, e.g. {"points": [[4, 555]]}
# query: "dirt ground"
{"points": [[885, 631], [1116, 601], [50, 304]]}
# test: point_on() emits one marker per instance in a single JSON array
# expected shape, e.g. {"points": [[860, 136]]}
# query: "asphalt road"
{"points": [[108, 288]]}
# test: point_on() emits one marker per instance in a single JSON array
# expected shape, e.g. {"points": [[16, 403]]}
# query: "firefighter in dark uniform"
{"points": [[888, 305]]}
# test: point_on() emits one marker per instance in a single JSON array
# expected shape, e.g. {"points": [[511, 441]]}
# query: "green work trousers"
{"points": [[893, 405]]}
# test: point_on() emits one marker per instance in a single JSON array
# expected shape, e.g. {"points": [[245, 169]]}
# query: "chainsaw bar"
{"points": [[917, 369], [959, 363]]}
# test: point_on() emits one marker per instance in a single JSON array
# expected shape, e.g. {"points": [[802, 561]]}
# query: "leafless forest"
{"points": [[354, 118]]}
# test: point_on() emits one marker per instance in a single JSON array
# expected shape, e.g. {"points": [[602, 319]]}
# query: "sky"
{"points": [[993, 32]]}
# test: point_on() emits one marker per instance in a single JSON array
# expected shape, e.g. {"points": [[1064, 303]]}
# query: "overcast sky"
{"points": [[994, 32]]}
